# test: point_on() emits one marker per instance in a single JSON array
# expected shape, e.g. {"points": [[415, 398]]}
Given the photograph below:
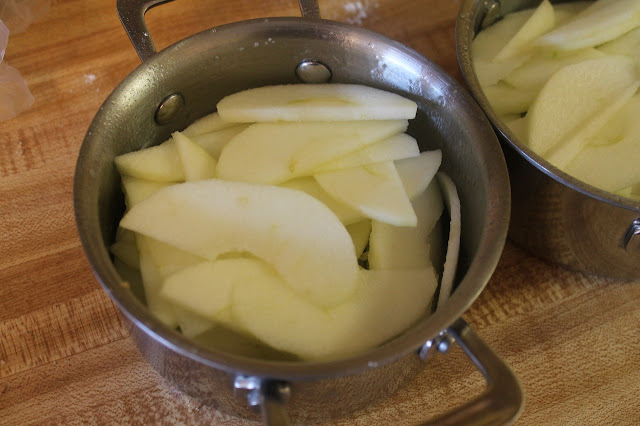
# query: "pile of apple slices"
{"points": [[259, 218], [564, 78]]}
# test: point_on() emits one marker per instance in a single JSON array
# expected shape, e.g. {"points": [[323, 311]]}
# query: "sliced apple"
{"points": [[573, 95], [196, 162], [214, 142], [158, 163], [204, 288], [541, 21], [532, 75], [375, 190], [506, 99], [614, 166], [452, 202], [564, 152], [207, 124], [393, 247], [309, 185], [275, 152], [152, 281], [490, 41], [627, 44], [384, 305], [125, 248], [601, 22], [136, 190], [315, 102], [213, 217], [396, 147], [416, 173]]}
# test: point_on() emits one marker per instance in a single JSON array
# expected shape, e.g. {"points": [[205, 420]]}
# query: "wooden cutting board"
{"points": [[65, 356]]}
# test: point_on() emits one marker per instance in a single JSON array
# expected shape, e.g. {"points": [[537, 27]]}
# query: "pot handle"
{"points": [[131, 13], [503, 399]]}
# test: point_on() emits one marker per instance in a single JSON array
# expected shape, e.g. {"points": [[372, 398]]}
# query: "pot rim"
{"points": [[489, 249], [464, 34]]}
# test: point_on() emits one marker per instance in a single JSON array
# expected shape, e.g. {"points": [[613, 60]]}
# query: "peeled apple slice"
{"points": [[204, 288], [309, 185], [136, 190], [315, 102], [275, 152], [506, 99], [214, 142], [532, 75], [614, 166], [601, 22], [375, 190], [416, 173], [627, 44], [393, 247], [452, 202], [207, 124], [157, 163], [292, 231], [196, 162], [395, 148], [563, 153], [573, 95], [125, 248], [384, 304], [490, 41], [541, 21]]}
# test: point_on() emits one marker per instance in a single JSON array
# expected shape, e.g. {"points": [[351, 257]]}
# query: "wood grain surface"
{"points": [[66, 357]]}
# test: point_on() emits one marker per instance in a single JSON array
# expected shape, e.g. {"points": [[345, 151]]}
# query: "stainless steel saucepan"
{"points": [[554, 215], [183, 82]]}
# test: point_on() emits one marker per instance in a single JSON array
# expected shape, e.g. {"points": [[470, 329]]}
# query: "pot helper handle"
{"points": [[503, 399], [131, 13]]}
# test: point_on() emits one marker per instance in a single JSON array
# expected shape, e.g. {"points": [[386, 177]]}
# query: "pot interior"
{"points": [[210, 65]]}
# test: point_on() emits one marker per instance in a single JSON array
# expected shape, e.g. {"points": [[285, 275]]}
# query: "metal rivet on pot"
{"points": [[169, 108], [632, 238], [494, 13], [313, 72], [441, 344]]}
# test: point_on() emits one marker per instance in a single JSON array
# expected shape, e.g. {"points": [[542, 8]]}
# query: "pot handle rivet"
{"points": [[632, 238], [503, 399], [169, 108], [313, 72], [270, 396]]}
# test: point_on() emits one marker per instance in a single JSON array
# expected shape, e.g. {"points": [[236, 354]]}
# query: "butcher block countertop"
{"points": [[66, 357]]}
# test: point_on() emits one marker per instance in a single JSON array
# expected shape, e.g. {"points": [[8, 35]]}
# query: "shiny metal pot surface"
{"points": [[554, 216], [184, 82]]}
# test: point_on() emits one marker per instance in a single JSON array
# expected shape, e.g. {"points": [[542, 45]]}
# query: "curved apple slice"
{"points": [[196, 162], [394, 247], [417, 173], [601, 22], [275, 152], [384, 304], [396, 147], [375, 190], [575, 94], [292, 231], [315, 102], [159, 163], [452, 201]]}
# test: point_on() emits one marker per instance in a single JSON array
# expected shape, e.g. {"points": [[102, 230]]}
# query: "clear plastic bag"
{"points": [[15, 96], [17, 15]]}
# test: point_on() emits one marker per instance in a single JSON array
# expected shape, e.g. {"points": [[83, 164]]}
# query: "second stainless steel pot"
{"points": [[554, 216]]}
